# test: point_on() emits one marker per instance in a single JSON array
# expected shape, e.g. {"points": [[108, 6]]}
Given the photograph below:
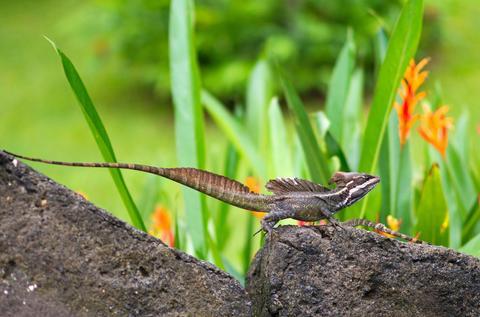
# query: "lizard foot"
{"points": [[335, 223], [267, 226]]}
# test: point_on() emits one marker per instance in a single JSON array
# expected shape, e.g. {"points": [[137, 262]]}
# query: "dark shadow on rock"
{"points": [[319, 271], [62, 256]]}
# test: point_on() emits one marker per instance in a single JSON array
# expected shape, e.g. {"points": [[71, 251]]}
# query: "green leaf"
{"points": [[150, 196], [395, 168], [221, 225], [317, 161], [259, 93], [248, 247], [338, 89], [473, 219], [432, 209], [455, 209], [100, 135], [461, 180], [472, 247], [235, 133], [217, 258], [280, 155], [388, 167], [352, 116], [401, 48], [189, 122], [404, 189], [457, 161], [380, 48], [334, 149]]}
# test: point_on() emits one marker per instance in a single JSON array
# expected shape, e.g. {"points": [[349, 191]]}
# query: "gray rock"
{"points": [[317, 271], [62, 256]]}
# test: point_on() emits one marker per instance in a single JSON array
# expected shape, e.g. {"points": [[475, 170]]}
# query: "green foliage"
{"points": [[336, 102], [189, 123], [260, 142], [401, 48], [432, 209], [304, 35], [316, 160], [100, 134]]}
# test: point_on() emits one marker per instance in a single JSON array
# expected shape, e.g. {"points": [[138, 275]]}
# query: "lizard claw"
{"points": [[258, 231], [266, 226], [335, 223]]}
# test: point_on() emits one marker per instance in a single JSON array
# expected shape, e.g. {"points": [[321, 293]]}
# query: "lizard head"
{"points": [[357, 184]]}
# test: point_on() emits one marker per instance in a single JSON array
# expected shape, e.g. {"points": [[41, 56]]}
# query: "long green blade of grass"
{"points": [[222, 228], [279, 149], [338, 90], [461, 179], [390, 147], [189, 122], [401, 48], [404, 188], [353, 117], [473, 219], [455, 208], [259, 93], [100, 135], [328, 144], [317, 162]]}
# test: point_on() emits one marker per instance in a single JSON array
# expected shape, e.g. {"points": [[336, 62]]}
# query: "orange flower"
{"points": [[412, 80], [254, 186], [162, 225], [434, 127]]}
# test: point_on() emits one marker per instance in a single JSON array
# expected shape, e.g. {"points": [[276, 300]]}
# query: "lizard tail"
{"points": [[380, 227], [214, 185]]}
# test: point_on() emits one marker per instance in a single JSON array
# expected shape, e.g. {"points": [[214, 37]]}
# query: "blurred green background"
{"points": [[120, 49]]}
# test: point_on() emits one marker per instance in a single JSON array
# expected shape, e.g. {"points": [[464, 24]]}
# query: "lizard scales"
{"points": [[292, 197]]}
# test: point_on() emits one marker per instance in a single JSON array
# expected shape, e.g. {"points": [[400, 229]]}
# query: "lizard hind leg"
{"points": [[274, 216]]}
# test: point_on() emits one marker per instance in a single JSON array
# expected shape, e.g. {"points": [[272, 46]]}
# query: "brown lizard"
{"points": [[294, 198]]}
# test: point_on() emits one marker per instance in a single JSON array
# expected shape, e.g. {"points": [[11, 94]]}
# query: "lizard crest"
{"points": [[280, 186]]}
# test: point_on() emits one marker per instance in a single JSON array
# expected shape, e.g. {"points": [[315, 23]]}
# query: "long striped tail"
{"points": [[382, 228], [214, 185]]}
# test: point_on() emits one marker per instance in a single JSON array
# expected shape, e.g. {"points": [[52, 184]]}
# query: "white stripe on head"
{"points": [[363, 185]]}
